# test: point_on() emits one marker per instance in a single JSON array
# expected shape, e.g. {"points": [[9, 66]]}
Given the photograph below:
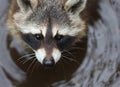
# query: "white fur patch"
{"points": [[54, 30], [28, 27], [56, 55], [78, 26], [40, 55], [43, 29], [32, 28], [69, 31]]}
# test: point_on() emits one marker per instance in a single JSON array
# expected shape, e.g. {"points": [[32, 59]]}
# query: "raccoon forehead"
{"points": [[69, 31], [61, 30], [31, 28], [43, 14]]}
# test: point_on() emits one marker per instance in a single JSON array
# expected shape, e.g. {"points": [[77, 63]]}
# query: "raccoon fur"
{"points": [[48, 27]]}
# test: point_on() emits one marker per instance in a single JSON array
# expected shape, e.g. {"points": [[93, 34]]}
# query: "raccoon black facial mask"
{"points": [[49, 26]]}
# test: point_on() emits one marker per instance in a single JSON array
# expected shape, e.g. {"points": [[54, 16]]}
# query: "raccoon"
{"points": [[47, 27]]}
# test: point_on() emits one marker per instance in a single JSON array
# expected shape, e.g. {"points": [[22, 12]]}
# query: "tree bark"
{"points": [[101, 66]]}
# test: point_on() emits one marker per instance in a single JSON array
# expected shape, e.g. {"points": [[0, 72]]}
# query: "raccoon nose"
{"points": [[48, 62]]}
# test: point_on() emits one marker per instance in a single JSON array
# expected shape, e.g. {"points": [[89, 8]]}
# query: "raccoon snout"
{"points": [[48, 62], [48, 59]]}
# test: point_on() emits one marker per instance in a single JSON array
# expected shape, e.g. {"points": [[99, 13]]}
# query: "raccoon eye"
{"points": [[38, 36], [59, 37]]}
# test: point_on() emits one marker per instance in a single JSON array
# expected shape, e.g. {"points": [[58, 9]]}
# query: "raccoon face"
{"points": [[50, 26]]}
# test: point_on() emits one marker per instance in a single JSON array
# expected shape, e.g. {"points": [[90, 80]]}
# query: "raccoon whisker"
{"points": [[64, 60], [22, 61], [69, 53], [71, 59], [34, 66], [28, 47], [31, 65], [28, 59], [26, 55], [64, 73]]}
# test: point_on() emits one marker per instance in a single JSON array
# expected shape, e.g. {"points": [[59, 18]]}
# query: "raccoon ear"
{"points": [[75, 6], [25, 5], [34, 3]]}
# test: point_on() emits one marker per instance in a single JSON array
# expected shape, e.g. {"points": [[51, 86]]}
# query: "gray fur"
{"points": [[54, 9], [50, 18], [49, 10]]}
